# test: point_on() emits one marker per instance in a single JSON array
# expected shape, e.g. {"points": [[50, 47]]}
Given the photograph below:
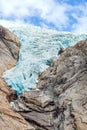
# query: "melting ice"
{"points": [[39, 47]]}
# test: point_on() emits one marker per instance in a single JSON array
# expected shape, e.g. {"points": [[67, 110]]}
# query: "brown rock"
{"points": [[61, 102], [37, 108], [9, 49], [9, 36]]}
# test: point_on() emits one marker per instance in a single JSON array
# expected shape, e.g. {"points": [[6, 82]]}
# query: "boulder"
{"points": [[9, 49], [60, 100]]}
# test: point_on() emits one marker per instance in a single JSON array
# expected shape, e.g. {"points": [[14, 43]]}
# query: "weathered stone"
{"points": [[9, 49], [36, 107], [61, 102]]}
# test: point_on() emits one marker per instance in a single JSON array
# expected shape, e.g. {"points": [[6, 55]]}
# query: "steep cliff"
{"points": [[61, 101], [9, 49]]}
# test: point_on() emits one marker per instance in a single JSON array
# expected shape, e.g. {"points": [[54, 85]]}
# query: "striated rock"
{"points": [[9, 49], [36, 107], [61, 101]]}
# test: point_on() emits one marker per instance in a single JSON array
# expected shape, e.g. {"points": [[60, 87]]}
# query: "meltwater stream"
{"points": [[39, 47]]}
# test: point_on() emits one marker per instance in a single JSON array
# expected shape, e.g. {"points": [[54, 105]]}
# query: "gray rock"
{"points": [[61, 102]]}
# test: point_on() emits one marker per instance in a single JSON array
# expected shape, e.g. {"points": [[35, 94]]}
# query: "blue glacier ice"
{"points": [[39, 47]]}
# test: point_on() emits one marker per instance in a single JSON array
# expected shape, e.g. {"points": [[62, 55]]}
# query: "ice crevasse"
{"points": [[39, 48]]}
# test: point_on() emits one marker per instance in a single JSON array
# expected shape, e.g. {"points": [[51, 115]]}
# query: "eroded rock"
{"points": [[9, 49], [61, 102]]}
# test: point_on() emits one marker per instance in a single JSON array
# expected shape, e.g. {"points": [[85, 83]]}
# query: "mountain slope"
{"points": [[61, 101], [9, 49], [39, 48]]}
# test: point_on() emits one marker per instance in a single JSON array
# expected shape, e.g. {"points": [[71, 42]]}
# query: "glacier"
{"points": [[39, 48]]}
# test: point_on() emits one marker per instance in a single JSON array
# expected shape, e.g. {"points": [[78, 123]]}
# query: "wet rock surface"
{"points": [[61, 101], [9, 49]]}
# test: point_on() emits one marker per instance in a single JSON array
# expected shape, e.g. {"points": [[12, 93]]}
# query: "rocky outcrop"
{"points": [[61, 101], [9, 49]]}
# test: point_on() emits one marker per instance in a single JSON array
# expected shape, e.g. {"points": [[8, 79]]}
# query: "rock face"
{"points": [[9, 48], [61, 101]]}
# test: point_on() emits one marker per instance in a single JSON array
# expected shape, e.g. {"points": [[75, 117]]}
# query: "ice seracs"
{"points": [[39, 47]]}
